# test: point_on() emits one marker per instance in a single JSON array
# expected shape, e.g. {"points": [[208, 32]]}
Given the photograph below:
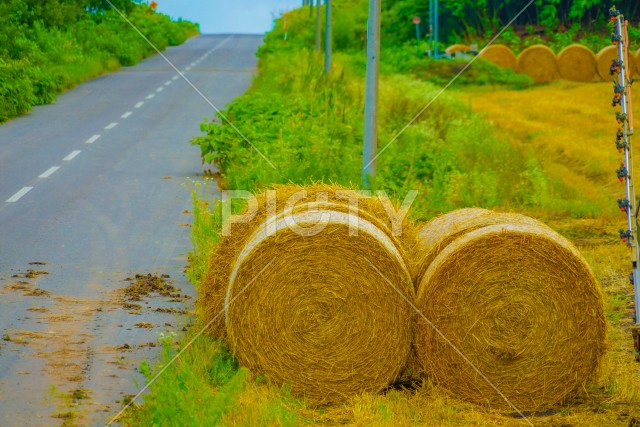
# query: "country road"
{"points": [[94, 189]]}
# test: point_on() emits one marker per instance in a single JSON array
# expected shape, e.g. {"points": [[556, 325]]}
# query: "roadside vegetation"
{"points": [[493, 140], [47, 47]]}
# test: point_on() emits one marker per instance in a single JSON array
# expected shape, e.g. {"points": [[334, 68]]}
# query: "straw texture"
{"points": [[435, 235], [577, 63], [213, 286], [500, 55], [522, 304], [606, 56], [311, 312], [538, 62]]}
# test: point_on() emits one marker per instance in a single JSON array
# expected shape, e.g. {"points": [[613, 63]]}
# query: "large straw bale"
{"points": [[327, 314], [577, 63], [213, 286], [606, 56], [637, 58], [457, 48], [538, 62], [523, 307], [500, 55], [435, 235]]}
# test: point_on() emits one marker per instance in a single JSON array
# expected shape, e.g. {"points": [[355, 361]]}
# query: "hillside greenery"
{"points": [[48, 46]]}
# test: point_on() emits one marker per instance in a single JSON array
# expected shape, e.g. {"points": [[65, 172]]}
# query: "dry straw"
{"points": [[637, 57], [538, 62], [521, 303], [457, 48], [577, 63], [319, 318], [606, 56], [435, 235], [500, 55]]}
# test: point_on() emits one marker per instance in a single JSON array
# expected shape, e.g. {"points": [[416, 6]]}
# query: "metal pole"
{"points": [[371, 95], [435, 30], [630, 205], [328, 42], [430, 28], [418, 37], [318, 27]]}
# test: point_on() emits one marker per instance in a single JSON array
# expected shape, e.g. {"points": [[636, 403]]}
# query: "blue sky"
{"points": [[228, 16]]}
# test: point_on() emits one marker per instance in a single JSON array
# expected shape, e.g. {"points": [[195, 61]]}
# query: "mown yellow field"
{"points": [[570, 126]]}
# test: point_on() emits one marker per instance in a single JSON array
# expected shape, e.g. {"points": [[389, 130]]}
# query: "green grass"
{"points": [[40, 56]]}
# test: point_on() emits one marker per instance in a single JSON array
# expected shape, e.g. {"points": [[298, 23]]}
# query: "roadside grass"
{"points": [[40, 59]]}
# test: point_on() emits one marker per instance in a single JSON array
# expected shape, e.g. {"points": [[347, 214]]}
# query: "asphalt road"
{"points": [[96, 187]]}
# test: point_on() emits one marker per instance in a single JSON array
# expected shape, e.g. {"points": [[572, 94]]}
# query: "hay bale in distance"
{"points": [[457, 48], [500, 55], [312, 312], [539, 63], [577, 63], [523, 306], [637, 61], [606, 56]]}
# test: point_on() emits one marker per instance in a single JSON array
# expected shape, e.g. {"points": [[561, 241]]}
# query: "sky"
{"points": [[228, 16]]}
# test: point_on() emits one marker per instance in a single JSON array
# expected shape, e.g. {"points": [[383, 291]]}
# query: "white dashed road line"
{"points": [[93, 139], [150, 96], [19, 194], [160, 89], [49, 172], [139, 104], [168, 83], [71, 155], [111, 126], [174, 78], [126, 115]]}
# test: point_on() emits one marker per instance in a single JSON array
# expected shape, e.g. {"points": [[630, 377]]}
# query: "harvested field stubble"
{"points": [[521, 303]]}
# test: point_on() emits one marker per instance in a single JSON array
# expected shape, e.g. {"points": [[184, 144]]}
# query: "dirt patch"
{"points": [[151, 285], [30, 274]]}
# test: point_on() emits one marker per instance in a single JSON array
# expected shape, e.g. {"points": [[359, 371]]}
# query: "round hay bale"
{"points": [[457, 48], [213, 284], [539, 63], [327, 314], [500, 55], [523, 306], [435, 235], [637, 57], [577, 63], [606, 56]]}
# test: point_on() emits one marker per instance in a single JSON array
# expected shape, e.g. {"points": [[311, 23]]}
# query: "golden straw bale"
{"points": [[539, 63], [637, 59], [606, 56], [213, 286], [523, 307], [327, 314], [435, 235], [500, 55], [457, 48], [577, 63]]}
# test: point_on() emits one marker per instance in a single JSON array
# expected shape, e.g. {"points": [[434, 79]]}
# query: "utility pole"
{"points": [[328, 42], [371, 95], [435, 29], [310, 8], [318, 29]]}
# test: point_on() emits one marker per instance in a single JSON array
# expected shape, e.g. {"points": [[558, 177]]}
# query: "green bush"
{"points": [[59, 43]]}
